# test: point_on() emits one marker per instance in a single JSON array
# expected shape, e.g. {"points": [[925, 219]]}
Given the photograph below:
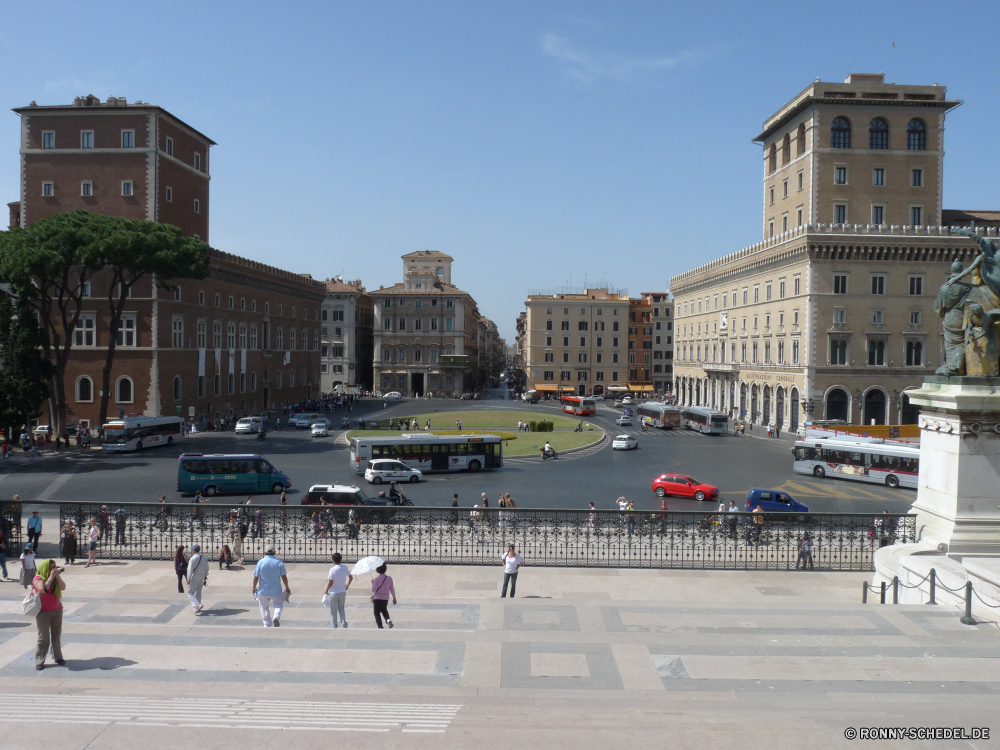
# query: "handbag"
{"points": [[326, 600], [32, 604]]}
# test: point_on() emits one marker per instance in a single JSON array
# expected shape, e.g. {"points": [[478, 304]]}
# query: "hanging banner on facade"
{"points": [[218, 361], [243, 361], [287, 359], [201, 363], [232, 361]]}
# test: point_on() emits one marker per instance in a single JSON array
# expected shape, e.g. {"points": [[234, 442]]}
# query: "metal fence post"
{"points": [[895, 589], [883, 593], [933, 586], [967, 618], [864, 592]]}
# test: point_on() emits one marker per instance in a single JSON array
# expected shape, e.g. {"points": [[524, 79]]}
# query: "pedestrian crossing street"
{"points": [[234, 713]]}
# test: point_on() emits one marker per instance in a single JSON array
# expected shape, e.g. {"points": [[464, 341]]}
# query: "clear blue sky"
{"points": [[537, 143]]}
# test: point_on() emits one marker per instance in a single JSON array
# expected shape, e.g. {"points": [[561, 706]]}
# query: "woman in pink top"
{"points": [[49, 585], [381, 589]]}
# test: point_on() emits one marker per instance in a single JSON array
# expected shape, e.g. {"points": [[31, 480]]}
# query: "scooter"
{"points": [[397, 501], [261, 434], [547, 454]]}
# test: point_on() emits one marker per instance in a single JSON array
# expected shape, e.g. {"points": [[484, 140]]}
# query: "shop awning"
{"points": [[616, 388], [568, 389], [547, 387], [640, 387]]}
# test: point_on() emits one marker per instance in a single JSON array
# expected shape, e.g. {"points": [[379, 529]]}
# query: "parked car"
{"points": [[392, 396], [249, 426], [624, 421], [388, 470], [682, 485], [43, 430], [624, 443], [320, 428], [774, 501]]}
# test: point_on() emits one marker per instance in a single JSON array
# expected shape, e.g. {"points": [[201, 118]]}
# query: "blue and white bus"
{"points": [[136, 433]]}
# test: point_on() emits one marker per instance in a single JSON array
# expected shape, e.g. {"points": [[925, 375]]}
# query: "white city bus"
{"points": [[863, 460], [430, 452], [136, 433], [660, 415], [704, 420]]}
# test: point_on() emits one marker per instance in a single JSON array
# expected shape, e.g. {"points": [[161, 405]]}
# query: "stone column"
{"points": [[957, 495]]}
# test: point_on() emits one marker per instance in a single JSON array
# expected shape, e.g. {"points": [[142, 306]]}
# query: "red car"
{"points": [[684, 486]]}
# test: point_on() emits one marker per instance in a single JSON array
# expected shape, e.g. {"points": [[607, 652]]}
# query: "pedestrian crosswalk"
{"points": [[234, 713]]}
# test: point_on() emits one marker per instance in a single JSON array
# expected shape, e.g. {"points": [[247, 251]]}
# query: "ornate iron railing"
{"points": [[10, 524], [640, 539]]}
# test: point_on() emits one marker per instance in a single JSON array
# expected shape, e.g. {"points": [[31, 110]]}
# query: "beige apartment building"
{"points": [[346, 337], [832, 317], [577, 343], [426, 331]]}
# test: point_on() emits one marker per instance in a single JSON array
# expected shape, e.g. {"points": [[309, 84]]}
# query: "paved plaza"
{"points": [[606, 657]]}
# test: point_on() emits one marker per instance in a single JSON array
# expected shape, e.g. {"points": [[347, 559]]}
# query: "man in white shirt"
{"points": [[512, 562], [338, 581], [197, 576]]}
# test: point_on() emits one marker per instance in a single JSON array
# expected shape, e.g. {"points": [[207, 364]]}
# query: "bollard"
{"points": [[895, 589], [864, 592], [883, 593], [967, 618], [933, 586]]}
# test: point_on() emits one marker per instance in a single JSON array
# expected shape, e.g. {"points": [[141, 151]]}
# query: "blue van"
{"points": [[774, 501], [228, 473]]}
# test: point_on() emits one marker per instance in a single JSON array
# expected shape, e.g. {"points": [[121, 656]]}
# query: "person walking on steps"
{"points": [[338, 581], [512, 563], [382, 588], [197, 577], [180, 568], [268, 576]]}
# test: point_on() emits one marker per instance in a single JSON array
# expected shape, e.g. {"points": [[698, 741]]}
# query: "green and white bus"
{"points": [[228, 473], [430, 453], [136, 433]]}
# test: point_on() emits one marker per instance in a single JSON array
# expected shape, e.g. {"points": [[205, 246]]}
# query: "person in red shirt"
{"points": [[49, 585]]}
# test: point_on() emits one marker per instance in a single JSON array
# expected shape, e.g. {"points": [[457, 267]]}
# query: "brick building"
{"points": [[243, 340], [662, 309], [136, 160]]}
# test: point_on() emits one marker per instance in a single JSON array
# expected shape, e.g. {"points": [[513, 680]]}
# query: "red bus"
{"points": [[579, 405]]}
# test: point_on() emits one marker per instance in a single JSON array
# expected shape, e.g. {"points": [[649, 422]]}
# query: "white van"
{"points": [[249, 425], [391, 471]]}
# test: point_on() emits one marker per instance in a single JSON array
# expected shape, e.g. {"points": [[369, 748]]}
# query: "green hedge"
{"points": [[542, 426]]}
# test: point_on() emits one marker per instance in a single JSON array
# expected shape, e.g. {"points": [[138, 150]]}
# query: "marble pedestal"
{"points": [[959, 488]]}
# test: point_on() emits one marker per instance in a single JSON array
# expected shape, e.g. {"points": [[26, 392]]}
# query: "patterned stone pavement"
{"points": [[616, 658]]}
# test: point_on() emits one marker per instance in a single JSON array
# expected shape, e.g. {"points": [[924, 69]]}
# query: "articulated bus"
{"points": [[429, 453], [660, 415], [704, 420], [579, 405], [136, 433], [863, 460]]}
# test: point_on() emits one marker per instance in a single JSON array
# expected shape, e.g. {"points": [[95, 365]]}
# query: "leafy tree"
{"points": [[25, 371], [131, 251], [45, 264]]}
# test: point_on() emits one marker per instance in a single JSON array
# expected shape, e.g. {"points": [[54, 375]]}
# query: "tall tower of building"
{"points": [[136, 160], [860, 152]]}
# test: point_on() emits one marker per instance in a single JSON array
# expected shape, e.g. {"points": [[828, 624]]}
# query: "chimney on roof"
{"points": [[870, 78]]}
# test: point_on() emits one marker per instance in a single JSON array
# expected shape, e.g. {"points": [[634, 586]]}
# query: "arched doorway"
{"points": [[793, 412], [910, 413], [753, 403], [874, 407], [697, 393], [690, 391], [836, 404], [765, 416], [743, 398], [779, 406]]}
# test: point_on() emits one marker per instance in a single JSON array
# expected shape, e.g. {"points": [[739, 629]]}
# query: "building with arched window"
{"points": [[833, 318], [428, 314], [346, 337]]}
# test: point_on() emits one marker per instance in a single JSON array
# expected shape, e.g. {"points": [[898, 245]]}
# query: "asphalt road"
{"points": [[597, 475]]}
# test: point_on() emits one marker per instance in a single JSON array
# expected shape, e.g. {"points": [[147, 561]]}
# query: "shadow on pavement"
{"points": [[101, 662]]}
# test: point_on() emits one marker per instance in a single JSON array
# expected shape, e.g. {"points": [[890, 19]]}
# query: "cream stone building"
{"points": [[426, 331], [831, 316], [346, 334], [576, 343]]}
